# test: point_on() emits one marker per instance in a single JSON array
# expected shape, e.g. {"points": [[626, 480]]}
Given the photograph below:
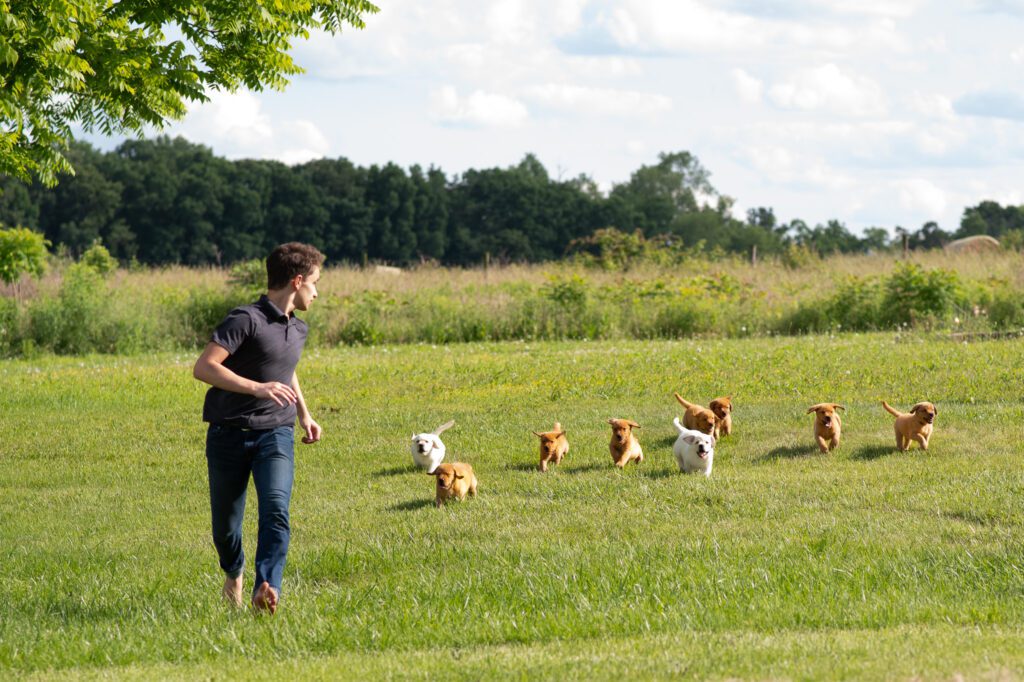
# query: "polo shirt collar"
{"points": [[271, 310]]}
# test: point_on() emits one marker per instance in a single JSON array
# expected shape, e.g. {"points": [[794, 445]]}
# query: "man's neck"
{"points": [[284, 299]]}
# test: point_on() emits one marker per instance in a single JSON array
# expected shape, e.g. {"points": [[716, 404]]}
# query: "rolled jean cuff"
{"points": [[235, 575]]}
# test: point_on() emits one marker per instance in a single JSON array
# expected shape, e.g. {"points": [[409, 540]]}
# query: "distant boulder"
{"points": [[977, 244]]}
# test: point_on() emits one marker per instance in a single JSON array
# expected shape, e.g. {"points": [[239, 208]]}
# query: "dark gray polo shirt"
{"points": [[264, 345]]}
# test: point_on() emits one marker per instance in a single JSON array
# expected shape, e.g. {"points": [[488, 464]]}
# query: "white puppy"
{"points": [[427, 449], [694, 451]]}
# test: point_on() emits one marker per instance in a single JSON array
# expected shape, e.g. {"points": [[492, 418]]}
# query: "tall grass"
{"points": [[73, 311]]}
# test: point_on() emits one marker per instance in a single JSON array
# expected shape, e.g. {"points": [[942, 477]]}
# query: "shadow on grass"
{"points": [[789, 452], [587, 468], [870, 452], [412, 505], [661, 473], [522, 466], [394, 471], [666, 442]]}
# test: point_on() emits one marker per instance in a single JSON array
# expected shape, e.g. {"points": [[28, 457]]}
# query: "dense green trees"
{"points": [[122, 65], [167, 200]]}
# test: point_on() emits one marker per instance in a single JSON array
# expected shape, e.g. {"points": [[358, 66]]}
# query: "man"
{"points": [[251, 408]]}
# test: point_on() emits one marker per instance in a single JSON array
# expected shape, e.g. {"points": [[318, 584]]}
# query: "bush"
{"points": [[99, 259], [914, 295]]}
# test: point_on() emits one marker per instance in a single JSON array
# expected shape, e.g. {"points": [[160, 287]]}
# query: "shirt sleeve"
{"points": [[234, 330]]}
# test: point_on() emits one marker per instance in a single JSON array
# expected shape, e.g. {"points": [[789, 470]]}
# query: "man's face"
{"points": [[307, 293]]}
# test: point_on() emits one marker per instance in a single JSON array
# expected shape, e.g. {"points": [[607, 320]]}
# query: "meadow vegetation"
{"points": [[87, 306], [866, 563]]}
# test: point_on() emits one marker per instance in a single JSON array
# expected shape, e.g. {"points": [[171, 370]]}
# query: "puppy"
{"points": [[722, 407], [553, 446], [624, 446], [696, 417], [827, 425], [427, 449], [453, 480], [917, 425], [694, 451]]}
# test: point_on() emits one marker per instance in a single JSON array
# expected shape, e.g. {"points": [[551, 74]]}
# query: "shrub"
{"points": [[914, 295], [99, 259]]}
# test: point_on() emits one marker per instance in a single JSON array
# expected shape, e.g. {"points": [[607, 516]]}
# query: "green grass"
{"points": [[865, 563]]}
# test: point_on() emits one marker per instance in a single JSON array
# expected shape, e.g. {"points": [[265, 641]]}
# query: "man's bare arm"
{"points": [[209, 368]]}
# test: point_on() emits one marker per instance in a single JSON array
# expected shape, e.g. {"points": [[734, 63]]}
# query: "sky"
{"points": [[871, 112]]}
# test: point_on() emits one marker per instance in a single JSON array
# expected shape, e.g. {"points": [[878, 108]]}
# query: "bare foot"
{"points": [[265, 598], [232, 591]]}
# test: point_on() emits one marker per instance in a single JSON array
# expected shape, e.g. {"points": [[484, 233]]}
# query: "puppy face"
{"points": [[722, 407], [925, 412], [446, 476], [422, 443], [703, 445], [705, 420], [622, 429], [826, 413], [549, 442]]}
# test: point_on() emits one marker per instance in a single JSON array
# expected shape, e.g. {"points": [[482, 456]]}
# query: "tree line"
{"points": [[169, 201]]}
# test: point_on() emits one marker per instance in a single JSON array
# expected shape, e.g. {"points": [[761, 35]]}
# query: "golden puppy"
{"points": [[915, 425], [624, 446], [722, 407], [453, 480], [553, 446], [827, 425], [697, 418]]}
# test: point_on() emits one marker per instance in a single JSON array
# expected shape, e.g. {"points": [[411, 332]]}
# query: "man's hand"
{"points": [[312, 429], [274, 390]]}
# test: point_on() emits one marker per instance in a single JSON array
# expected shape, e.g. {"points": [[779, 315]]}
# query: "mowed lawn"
{"points": [[786, 563]]}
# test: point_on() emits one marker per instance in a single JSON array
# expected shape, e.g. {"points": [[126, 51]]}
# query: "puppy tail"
{"points": [[558, 427], [444, 427], [890, 410], [679, 427], [682, 401]]}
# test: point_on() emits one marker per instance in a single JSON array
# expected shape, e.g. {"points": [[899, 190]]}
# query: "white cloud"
{"points": [[586, 101], [749, 89], [785, 165], [484, 109], [922, 197], [236, 126], [827, 88], [932, 106], [1017, 56]]}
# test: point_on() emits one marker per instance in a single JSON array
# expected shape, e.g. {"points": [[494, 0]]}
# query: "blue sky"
{"points": [[874, 112]]}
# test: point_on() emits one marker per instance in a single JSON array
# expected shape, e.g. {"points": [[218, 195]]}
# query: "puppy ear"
{"points": [[459, 476], [612, 422], [560, 434], [838, 407], [633, 424], [539, 435], [692, 440], [813, 408], [435, 472]]}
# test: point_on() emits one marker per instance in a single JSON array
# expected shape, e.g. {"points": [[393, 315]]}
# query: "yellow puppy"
{"points": [[624, 446], [453, 480], [827, 425], [722, 407], [917, 425], [697, 418], [553, 446]]}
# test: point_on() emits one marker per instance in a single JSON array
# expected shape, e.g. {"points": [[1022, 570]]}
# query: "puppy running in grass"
{"points": [[827, 425], [427, 449], [913, 426], [694, 451], [722, 407], [454, 480], [696, 417], [624, 446], [553, 446]]}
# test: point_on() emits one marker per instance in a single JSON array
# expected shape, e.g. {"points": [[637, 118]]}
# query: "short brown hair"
{"points": [[290, 260]]}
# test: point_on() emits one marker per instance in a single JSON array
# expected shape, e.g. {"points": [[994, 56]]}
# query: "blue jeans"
{"points": [[232, 454]]}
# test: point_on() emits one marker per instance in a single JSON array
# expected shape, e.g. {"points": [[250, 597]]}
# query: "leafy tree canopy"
{"points": [[116, 66]]}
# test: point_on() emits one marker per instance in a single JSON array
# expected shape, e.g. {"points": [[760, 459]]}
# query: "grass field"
{"points": [[786, 564]]}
